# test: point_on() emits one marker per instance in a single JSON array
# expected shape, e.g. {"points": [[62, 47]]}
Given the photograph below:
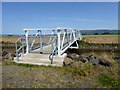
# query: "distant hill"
{"points": [[82, 31], [99, 31]]}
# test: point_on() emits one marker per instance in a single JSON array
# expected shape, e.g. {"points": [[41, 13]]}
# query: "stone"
{"points": [[93, 60], [74, 56], [9, 56], [104, 63], [4, 53], [68, 61], [84, 55], [84, 59], [87, 59], [77, 64], [117, 58]]}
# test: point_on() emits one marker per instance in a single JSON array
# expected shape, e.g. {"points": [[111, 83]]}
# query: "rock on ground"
{"points": [[117, 58], [74, 59], [7, 56], [68, 61], [74, 56]]}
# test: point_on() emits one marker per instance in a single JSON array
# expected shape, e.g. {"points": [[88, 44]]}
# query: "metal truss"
{"points": [[55, 41]]}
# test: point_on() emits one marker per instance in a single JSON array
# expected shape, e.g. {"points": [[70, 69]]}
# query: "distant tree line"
{"points": [[102, 33], [105, 33]]}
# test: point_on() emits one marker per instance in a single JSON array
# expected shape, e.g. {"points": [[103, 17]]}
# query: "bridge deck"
{"points": [[40, 59], [47, 48]]}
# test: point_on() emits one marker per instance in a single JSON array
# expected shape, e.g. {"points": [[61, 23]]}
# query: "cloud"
{"points": [[88, 20], [78, 19]]}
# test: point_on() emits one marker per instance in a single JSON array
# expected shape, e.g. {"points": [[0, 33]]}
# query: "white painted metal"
{"points": [[36, 29], [59, 46], [41, 41], [34, 40], [63, 39], [27, 42], [60, 40]]}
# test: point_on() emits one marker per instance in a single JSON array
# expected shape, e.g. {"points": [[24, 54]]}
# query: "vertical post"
{"points": [[63, 39], [70, 37], [74, 35], [41, 41], [59, 51], [27, 42], [22, 47], [16, 51]]}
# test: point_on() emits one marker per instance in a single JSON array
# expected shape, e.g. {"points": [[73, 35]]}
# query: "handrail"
{"points": [[21, 47], [20, 39], [53, 51]]}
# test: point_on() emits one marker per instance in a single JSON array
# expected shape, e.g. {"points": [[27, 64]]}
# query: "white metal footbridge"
{"points": [[46, 46]]}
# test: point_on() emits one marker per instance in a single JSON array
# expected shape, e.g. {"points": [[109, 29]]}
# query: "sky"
{"points": [[81, 15]]}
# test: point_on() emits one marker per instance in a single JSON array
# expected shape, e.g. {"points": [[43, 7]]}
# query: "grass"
{"points": [[10, 39], [84, 70], [109, 81], [83, 43], [25, 65]]}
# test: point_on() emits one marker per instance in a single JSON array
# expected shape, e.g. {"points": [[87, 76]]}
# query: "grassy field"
{"points": [[107, 39], [12, 39], [114, 35], [86, 76]]}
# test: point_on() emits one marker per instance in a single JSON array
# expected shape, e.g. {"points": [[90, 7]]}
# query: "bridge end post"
{"points": [[27, 42], [58, 45]]}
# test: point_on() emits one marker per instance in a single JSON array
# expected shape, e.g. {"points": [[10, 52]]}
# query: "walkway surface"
{"points": [[47, 48]]}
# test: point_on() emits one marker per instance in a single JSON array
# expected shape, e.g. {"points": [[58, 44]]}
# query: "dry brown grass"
{"points": [[10, 39], [105, 40], [101, 39]]}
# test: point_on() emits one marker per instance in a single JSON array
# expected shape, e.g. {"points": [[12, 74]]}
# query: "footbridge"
{"points": [[46, 46]]}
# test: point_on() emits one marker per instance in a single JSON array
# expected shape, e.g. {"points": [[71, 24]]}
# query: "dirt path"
{"points": [[25, 77]]}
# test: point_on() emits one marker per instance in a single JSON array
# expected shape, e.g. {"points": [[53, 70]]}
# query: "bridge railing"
{"points": [[40, 41], [58, 40], [54, 49], [66, 39], [20, 47]]}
